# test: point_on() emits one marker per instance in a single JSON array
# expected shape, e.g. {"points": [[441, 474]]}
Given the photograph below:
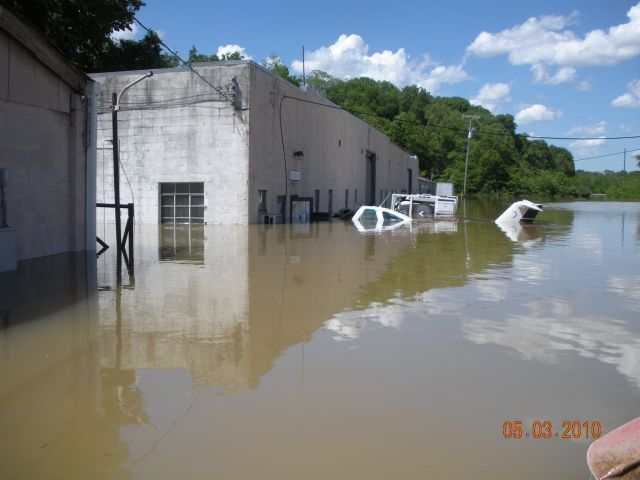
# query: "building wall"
{"points": [[334, 143], [42, 144], [175, 127]]}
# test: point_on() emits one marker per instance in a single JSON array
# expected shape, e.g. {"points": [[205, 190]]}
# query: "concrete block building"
{"points": [[47, 154], [231, 143]]}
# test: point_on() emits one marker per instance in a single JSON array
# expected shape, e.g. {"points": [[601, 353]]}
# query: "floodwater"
{"points": [[315, 352]]}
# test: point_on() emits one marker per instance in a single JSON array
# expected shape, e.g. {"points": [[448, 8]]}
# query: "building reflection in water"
{"points": [[225, 306], [181, 243], [227, 319]]}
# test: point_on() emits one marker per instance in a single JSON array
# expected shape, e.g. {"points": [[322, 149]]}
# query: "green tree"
{"points": [[274, 64], [135, 55], [536, 154], [232, 56], [82, 32], [562, 160], [321, 81], [195, 56], [621, 185]]}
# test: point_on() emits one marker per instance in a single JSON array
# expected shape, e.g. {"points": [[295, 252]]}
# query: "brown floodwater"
{"points": [[316, 352]]}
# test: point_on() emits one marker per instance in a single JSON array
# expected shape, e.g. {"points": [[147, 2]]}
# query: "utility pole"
{"points": [[466, 160], [624, 166], [115, 99], [304, 77], [116, 174]]}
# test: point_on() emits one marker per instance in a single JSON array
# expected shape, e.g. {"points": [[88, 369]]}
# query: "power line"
{"points": [[227, 97], [353, 111], [606, 155], [217, 89], [585, 138]]}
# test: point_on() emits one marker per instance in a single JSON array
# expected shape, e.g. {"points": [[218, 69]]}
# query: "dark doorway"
{"points": [[300, 209], [410, 178], [370, 179]]}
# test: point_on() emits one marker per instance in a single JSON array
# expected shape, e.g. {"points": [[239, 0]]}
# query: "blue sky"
{"points": [[562, 68]]}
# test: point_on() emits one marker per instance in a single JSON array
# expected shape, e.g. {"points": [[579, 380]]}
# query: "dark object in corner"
{"points": [[320, 217]]}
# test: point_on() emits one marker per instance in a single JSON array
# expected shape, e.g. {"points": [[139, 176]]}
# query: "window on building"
{"points": [[316, 201], [346, 198], [182, 202], [262, 200]]}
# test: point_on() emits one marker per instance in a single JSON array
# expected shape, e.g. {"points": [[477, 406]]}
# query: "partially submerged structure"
{"points": [[230, 142], [46, 153], [523, 211]]}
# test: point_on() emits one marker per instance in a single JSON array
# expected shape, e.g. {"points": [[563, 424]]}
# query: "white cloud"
{"points": [[491, 95], [536, 113], [587, 147], [349, 57], [232, 48], [628, 287], [584, 86], [599, 128], [546, 41], [631, 99], [349, 324], [547, 329], [125, 34], [562, 75], [442, 75]]}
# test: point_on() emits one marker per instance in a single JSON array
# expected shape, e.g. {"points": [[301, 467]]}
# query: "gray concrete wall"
{"points": [[334, 143], [175, 127], [42, 129]]}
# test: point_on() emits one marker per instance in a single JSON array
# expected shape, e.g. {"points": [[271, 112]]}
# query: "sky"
{"points": [[561, 68]]}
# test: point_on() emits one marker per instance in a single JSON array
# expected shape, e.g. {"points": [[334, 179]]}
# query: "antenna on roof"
{"points": [[304, 78]]}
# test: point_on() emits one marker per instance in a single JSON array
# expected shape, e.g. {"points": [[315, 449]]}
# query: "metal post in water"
{"points": [[3, 200], [115, 99], [131, 220], [116, 175]]}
